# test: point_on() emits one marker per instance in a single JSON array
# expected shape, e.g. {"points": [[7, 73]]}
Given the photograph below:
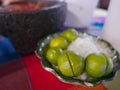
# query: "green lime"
{"points": [[53, 54], [64, 65], [70, 64], [76, 61], [96, 65], [70, 34], [59, 42], [109, 65]]}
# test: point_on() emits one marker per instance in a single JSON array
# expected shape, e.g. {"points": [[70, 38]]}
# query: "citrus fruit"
{"points": [[52, 55], [96, 65], [70, 34], [70, 64], [109, 66], [59, 42]]}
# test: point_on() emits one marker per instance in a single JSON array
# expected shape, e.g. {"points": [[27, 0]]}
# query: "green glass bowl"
{"points": [[41, 53]]}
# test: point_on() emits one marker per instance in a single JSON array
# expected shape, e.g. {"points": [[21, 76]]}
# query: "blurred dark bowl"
{"points": [[25, 28]]}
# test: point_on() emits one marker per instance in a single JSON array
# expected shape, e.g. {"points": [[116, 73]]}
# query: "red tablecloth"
{"points": [[27, 74], [42, 80]]}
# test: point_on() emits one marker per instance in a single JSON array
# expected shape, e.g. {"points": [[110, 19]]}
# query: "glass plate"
{"points": [[43, 47]]}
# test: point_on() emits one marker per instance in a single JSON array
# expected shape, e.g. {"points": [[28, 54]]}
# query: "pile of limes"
{"points": [[70, 63]]}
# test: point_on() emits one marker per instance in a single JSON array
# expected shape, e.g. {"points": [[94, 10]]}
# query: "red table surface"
{"points": [[43, 80]]}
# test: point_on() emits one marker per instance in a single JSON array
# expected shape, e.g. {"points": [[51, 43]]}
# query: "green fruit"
{"points": [[76, 62], [64, 65], [70, 34], [109, 66], [96, 65], [70, 64], [59, 42], [53, 54]]}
